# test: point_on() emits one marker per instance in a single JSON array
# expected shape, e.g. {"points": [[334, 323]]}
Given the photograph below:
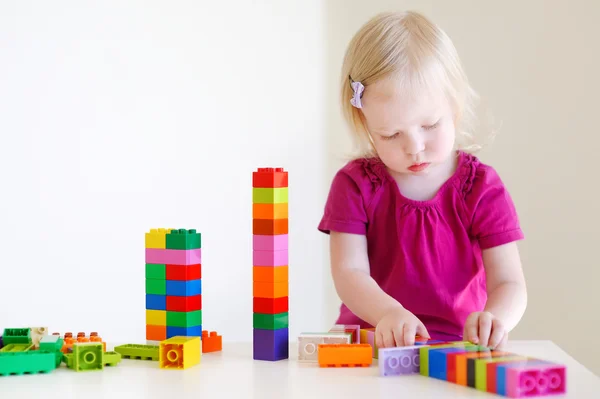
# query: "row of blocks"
{"points": [[270, 276], [173, 284]]}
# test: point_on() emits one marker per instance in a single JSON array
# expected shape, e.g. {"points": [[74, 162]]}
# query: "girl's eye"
{"points": [[393, 136], [431, 127]]}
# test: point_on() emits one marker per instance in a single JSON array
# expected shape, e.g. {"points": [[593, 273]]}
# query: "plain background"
{"points": [[120, 116]]}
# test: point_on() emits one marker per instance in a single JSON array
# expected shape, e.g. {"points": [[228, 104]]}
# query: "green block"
{"points": [[85, 357], [26, 362], [184, 319], [51, 343], [270, 321], [156, 287], [17, 336], [424, 353], [269, 195], [156, 271], [184, 239], [135, 351], [16, 347], [481, 369], [111, 358]]}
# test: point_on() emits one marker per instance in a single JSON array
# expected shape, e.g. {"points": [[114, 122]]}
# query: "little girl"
{"points": [[422, 233]]}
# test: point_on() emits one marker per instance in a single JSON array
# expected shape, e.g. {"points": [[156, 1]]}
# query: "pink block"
{"points": [[173, 256], [278, 242], [536, 380], [270, 258]]}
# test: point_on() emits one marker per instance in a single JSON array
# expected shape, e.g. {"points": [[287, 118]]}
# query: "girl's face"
{"points": [[411, 135]]}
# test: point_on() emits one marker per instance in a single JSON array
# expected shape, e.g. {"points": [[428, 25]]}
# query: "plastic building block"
{"points": [[270, 274], [183, 239], [270, 211], [184, 272], [308, 344], [1, 343], [180, 352], [36, 335], [536, 380], [17, 336], [439, 364], [156, 287], [270, 345], [270, 305], [269, 195], [270, 226], [156, 302], [184, 319], [184, 303], [193, 331], [270, 177], [152, 343], [156, 271], [270, 321], [156, 333], [269, 242], [111, 358], [354, 329], [399, 361], [424, 354], [481, 369], [141, 352], [17, 363], [502, 384], [367, 336], [156, 317], [174, 256], [86, 357], [345, 355], [211, 342], [184, 288], [269, 290], [471, 362], [270, 258], [156, 238], [17, 348], [51, 343]]}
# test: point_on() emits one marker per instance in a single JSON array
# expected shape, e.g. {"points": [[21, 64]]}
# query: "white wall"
{"points": [[536, 65], [120, 116]]}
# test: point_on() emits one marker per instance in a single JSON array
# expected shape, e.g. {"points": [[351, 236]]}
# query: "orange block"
{"points": [[269, 227], [270, 211], [156, 333], [461, 363], [345, 355], [269, 290], [212, 342], [270, 274]]}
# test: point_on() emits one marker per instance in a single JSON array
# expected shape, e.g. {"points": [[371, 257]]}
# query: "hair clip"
{"points": [[358, 89]]}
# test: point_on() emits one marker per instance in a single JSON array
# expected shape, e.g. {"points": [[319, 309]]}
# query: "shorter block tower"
{"points": [[270, 264], [173, 284]]}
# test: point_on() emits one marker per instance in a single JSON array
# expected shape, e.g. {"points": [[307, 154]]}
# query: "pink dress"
{"points": [[425, 254]]}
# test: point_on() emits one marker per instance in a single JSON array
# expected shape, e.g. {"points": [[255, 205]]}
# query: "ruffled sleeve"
{"points": [[350, 196], [493, 216]]}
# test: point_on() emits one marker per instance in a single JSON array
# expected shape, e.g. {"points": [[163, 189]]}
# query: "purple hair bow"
{"points": [[358, 92]]}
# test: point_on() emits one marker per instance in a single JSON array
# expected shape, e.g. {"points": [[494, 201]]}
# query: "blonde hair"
{"points": [[418, 55]]}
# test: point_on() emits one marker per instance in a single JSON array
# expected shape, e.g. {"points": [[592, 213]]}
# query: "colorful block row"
{"points": [[270, 242], [269, 195], [270, 290], [270, 345], [174, 303], [160, 333], [270, 178], [270, 226], [173, 287], [174, 319], [174, 256], [173, 272], [270, 258], [173, 239], [270, 211], [265, 321], [270, 274], [270, 305]]}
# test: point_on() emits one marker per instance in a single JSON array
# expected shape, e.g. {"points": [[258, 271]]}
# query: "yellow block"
{"points": [[156, 238], [156, 317], [179, 352]]}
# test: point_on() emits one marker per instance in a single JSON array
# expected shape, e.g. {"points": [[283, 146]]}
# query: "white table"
{"points": [[233, 373]]}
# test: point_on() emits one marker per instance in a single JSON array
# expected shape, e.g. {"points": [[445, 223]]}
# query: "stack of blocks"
{"points": [[270, 264], [173, 284]]}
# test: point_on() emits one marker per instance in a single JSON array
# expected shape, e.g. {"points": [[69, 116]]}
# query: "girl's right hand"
{"points": [[398, 328]]}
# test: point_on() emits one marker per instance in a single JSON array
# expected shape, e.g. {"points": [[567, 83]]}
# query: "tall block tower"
{"points": [[270, 264], [173, 284]]}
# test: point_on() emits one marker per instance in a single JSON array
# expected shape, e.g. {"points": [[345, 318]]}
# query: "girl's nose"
{"points": [[414, 144]]}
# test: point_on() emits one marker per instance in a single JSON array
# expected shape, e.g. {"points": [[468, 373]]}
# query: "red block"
{"points": [[270, 178], [184, 272], [271, 305], [184, 303]]}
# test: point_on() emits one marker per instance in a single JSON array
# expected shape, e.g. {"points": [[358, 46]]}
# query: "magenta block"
{"points": [[399, 361], [270, 258], [536, 380], [278, 242], [173, 256]]}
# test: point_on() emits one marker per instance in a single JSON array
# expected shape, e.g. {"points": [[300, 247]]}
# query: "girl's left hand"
{"points": [[483, 328]]}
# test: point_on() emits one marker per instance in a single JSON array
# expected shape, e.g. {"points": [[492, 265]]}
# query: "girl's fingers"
{"points": [[485, 328], [497, 334], [471, 332]]}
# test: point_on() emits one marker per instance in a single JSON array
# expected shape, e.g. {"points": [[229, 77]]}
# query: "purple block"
{"points": [[271, 345], [270, 258], [399, 361], [0, 341], [278, 242], [182, 257]]}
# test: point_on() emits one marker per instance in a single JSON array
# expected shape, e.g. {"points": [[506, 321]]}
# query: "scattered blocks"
{"points": [[31, 362], [211, 342], [111, 358], [86, 356], [308, 344], [141, 352], [36, 335], [353, 329], [345, 355], [180, 352], [17, 336], [17, 348], [399, 361]]}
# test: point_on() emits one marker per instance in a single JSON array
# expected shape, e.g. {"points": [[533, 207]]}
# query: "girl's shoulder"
{"points": [[475, 177]]}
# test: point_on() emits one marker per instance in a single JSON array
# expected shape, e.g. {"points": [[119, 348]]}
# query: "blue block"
{"points": [[430, 342], [501, 372], [184, 288], [271, 345], [438, 362], [195, 331], [156, 302]]}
